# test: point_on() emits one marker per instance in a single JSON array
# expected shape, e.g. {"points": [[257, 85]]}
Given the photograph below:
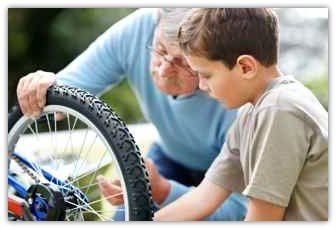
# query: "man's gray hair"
{"points": [[172, 18]]}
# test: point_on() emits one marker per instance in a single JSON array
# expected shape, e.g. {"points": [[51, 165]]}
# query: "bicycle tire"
{"points": [[115, 132]]}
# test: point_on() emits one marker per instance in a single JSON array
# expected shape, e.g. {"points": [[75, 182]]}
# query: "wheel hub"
{"points": [[46, 203]]}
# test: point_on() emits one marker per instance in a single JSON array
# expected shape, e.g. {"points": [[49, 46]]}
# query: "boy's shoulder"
{"points": [[291, 96], [287, 93]]}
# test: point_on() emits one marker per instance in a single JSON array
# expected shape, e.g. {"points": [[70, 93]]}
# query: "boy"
{"points": [[276, 152]]}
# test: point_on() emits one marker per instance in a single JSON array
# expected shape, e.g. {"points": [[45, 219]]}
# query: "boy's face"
{"points": [[225, 85]]}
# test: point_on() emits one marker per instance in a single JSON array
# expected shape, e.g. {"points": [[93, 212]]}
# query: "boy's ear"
{"points": [[248, 66]]}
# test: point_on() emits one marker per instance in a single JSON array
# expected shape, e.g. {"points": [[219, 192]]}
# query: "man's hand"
{"points": [[113, 192], [31, 92]]}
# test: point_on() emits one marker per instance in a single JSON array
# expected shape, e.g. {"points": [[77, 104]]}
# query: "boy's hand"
{"points": [[31, 92], [113, 192]]}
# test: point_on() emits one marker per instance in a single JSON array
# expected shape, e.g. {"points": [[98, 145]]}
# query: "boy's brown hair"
{"points": [[226, 33]]}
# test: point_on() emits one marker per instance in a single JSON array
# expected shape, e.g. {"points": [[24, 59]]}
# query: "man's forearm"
{"points": [[161, 190]]}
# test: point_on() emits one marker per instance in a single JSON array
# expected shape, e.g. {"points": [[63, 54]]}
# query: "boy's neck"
{"points": [[265, 76]]}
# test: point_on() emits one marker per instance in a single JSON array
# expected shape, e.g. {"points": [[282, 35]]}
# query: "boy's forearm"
{"points": [[194, 205], [259, 210], [187, 205]]}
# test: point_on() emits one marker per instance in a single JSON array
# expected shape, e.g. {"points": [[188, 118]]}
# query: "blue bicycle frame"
{"points": [[22, 191]]}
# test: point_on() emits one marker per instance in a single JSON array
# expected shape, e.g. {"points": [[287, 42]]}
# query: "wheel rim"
{"points": [[56, 159]]}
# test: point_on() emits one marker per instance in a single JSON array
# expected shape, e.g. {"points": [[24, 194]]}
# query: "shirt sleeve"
{"points": [[226, 169], [278, 153], [105, 61], [176, 191]]}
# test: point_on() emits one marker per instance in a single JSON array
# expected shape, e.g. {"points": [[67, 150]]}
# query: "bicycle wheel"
{"points": [[89, 140]]}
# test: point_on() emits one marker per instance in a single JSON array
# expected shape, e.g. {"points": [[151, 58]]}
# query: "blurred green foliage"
{"points": [[122, 99], [319, 86], [49, 39]]}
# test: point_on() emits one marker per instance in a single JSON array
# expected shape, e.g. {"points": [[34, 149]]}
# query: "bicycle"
{"points": [[76, 138]]}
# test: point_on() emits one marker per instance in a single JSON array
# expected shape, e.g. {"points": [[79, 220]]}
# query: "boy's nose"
{"points": [[203, 85]]}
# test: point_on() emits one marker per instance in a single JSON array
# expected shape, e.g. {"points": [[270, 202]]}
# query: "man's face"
{"points": [[170, 71]]}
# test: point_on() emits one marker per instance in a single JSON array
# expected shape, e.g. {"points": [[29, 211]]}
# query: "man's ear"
{"points": [[248, 66]]}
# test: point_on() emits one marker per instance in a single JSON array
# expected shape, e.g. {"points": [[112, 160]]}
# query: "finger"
{"points": [[113, 194], [109, 189], [116, 182], [45, 82], [32, 96], [60, 116], [150, 166], [106, 186], [22, 93], [149, 163], [115, 201], [101, 178], [102, 181]]}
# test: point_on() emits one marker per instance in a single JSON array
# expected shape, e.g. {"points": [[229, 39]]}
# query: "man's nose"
{"points": [[166, 69]]}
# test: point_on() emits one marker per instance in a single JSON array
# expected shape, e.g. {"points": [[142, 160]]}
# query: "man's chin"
{"points": [[172, 87], [173, 91]]}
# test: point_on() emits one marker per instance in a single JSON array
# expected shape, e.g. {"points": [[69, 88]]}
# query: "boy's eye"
{"points": [[204, 76]]}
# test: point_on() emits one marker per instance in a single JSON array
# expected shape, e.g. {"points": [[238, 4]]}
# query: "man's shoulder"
{"points": [[150, 14], [140, 19]]}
